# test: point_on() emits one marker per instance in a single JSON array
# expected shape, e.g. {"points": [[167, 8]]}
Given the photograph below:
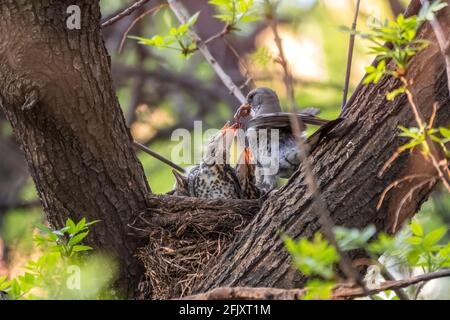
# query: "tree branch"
{"points": [[351, 45], [340, 292], [158, 156], [179, 12], [124, 13], [287, 78]]}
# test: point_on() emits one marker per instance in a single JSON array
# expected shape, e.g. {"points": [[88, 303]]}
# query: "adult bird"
{"points": [[213, 177], [271, 139]]}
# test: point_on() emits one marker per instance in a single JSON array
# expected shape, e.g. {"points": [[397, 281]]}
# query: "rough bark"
{"points": [[56, 91], [347, 169]]}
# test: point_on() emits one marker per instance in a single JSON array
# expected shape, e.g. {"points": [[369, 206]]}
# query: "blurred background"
{"points": [[159, 91]]}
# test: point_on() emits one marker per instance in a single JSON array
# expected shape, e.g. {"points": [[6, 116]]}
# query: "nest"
{"points": [[186, 235]]}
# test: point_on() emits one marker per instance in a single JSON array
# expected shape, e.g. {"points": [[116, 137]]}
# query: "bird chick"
{"points": [[213, 178], [245, 171]]}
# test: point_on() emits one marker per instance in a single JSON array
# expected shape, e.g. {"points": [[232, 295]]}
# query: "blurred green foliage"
{"points": [[412, 247], [63, 270]]}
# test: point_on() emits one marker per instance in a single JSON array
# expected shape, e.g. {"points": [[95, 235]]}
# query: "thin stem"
{"points": [[389, 277], [124, 13], [351, 45], [287, 78], [158, 156], [226, 29], [133, 23], [417, 114]]}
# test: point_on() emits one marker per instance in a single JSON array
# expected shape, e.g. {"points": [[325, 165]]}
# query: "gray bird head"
{"points": [[263, 100]]}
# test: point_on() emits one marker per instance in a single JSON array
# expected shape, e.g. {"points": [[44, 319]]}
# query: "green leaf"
{"points": [[219, 2], [57, 249], [249, 18], [4, 283], [433, 237], [44, 228], [80, 226], [71, 225], [444, 132], [77, 238], [416, 228], [428, 10], [52, 237], [79, 248], [314, 257], [394, 93], [192, 20], [410, 145], [350, 239], [224, 17], [15, 289], [415, 240], [92, 222], [183, 29]]}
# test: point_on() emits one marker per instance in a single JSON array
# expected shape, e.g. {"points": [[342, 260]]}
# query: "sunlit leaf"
{"points": [[434, 236], [416, 228]]}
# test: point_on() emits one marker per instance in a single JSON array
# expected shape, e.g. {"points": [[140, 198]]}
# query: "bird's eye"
{"points": [[250, 98]]}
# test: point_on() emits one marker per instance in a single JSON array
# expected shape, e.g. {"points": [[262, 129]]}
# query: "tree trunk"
{"points": [[347, 169], [57, 92]]}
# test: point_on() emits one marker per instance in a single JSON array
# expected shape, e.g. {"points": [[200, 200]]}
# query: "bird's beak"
{"points": [[242, 112]]}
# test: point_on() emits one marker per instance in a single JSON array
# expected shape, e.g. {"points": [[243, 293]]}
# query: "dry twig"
{"points": [[124, 13], [351, 45]]}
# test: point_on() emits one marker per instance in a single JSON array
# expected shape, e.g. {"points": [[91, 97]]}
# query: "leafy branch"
{"points": [[48, 276], [413, 247]]}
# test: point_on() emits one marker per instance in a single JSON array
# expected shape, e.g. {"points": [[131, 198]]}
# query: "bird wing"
{"points": [[283, 120]]}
